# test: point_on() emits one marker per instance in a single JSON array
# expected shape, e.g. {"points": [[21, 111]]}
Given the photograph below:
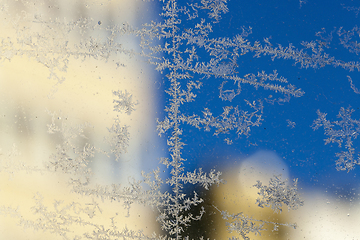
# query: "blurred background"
{"points": [[31, 89], [31, 98]]}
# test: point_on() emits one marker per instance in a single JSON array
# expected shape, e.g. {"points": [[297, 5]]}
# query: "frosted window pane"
{"points": [[179, 119]]}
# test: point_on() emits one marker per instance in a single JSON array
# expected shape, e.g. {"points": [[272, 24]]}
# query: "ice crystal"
{"points": [[346, 130], [277, 194], [124, 103]]}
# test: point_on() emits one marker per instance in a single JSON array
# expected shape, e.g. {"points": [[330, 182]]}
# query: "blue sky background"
{"points": [[326, 89]]}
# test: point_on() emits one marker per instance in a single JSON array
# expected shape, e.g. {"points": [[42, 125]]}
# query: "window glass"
{"points": [[179, 119]]}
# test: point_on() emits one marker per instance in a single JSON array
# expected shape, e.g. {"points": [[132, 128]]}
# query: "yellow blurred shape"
{"points": [[85, 96], [239, 195]]}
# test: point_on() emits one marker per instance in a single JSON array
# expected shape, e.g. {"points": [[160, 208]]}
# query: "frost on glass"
{"points": [[278, 194], [181, 45], [342, 132]]}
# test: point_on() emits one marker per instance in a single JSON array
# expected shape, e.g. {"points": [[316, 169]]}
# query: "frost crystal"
{"points": [[345, 130], [124, 103], [118, 139], [277, 194]]}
